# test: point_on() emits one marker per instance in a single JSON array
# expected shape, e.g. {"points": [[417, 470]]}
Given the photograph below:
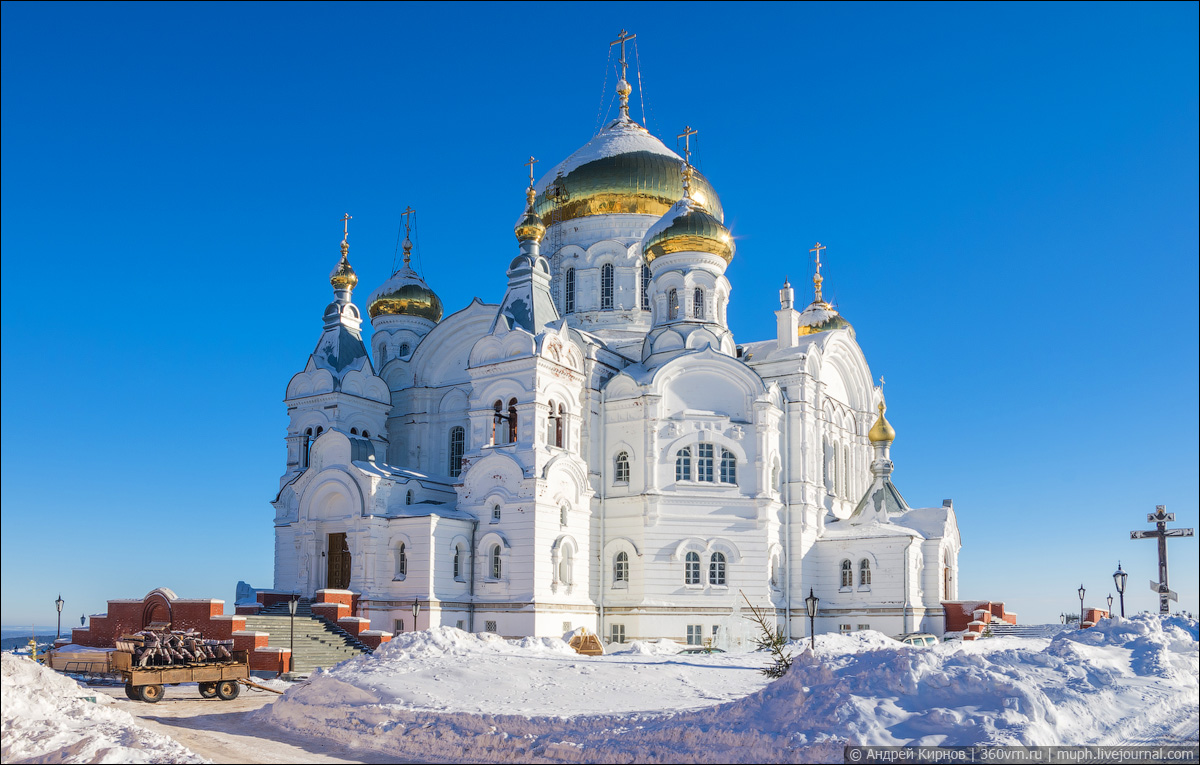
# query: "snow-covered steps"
{"points": [[316, 641]]}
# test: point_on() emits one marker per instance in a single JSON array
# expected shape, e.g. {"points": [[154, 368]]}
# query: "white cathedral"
{"points": [[595, 450]]}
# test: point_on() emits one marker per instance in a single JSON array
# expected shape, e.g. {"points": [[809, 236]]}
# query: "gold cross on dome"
{"points": [[817, 249], [346, 226], [686, 135], [881, 383], [407, 215], [622, 38], [530, 165]]}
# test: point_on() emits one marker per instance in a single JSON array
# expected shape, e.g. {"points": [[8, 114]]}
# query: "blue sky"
{"points": [[1008, 193]]}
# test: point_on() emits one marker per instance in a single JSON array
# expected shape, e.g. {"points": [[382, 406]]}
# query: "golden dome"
{"points": [[405, 294], [529, 226], [821, 317], [624, 169], [687, 227], [343, 277], [881, 432]]}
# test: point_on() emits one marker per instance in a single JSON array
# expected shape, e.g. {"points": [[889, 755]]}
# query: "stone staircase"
{"points": [[318, 642], [1026, 630]]}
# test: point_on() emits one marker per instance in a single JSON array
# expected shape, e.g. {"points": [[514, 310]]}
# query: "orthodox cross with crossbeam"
{"points": [[622, 38], [346, 218], [1160, 518], [530, 165], [817, 278]]}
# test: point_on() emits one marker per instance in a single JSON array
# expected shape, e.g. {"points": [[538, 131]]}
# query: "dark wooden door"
{"points": [[338, 567]]}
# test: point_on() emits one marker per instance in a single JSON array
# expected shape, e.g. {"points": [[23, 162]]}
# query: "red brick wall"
{"points": [[959, 613]]}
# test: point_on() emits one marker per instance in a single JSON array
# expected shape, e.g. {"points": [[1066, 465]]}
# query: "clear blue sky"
{"points": [[1008, 193]]}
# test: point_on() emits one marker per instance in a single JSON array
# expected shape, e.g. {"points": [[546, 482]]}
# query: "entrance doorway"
{"points": [[337, 575]]}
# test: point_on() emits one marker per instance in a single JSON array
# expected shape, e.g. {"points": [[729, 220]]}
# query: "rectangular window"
{"points": [[566, 626], [704, 462], [645, 287], [715, 630], [569, 288], [399, 626], [728, 467], [618, 633], [844, 629], [489, 626], [683, 465], [458, 439], [862, 627], [606, 287], [459, 624], [695, 634], [495, 513]]}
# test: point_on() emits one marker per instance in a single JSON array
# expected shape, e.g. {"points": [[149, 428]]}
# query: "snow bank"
{"points": [[866, 689], [47, 719]]}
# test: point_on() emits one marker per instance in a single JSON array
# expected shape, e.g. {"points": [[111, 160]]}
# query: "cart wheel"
{"points": [[131, 692], [228, 690], [150, 694], [208, 690]]}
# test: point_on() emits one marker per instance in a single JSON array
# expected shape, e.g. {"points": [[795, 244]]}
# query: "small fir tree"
{"points": [[770, 640]]}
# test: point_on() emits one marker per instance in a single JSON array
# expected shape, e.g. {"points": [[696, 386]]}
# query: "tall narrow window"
{"points": [[728, 467], [621, 567], [716, 568], [837, 481], [564, 516], [512, 420], [606, 287], [560, 423], [864, 572], [458, 563], [673, 305], [564, 566], [691, 568], [550, 424], [496, 563], [621, 468], [403, 350], [645, 287], [683, 464], [498, 430], [458, 440], [569, 292], [846, 471], [408, 497], [704, 462], [698, 303], [847, 574], [401, 561]]}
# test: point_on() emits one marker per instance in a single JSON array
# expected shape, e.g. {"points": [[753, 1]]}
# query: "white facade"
{"points": [[596, 450]]}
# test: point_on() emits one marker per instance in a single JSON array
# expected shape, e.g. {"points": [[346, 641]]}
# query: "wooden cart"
{"points": [[220, 679]]}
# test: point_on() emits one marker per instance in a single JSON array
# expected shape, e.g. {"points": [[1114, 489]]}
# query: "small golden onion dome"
{"points": [[405, 294], [343, 277], [529, 225], [881, 432], [822, 317], [624, 169], [687, 227]]}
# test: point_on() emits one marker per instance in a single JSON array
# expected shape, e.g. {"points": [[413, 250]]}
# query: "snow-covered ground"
{"points": [[447, 695], [47, 717]]}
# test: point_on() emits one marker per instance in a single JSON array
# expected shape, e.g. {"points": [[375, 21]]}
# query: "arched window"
{"points": [[308, 432], [497, 421], [366, 434], [691, 568], [401, 561], [408, 497], [554, 424], [458, 440], [716, 568], [403, 350], [704, 462], [458, 575], [847, 574], [354, 431], [382, 355], [833, 458], [776, 573], [645, 287], [946, 592], [698, 303], [728, 467], [621, 567], [683, 464], [497, 570], [775, 478], [564, 515], [673, 305], [320, 431], [846, 472], [864, 572], [560, 432], [569, 292], [621, 468], [496, 513], [550, 424], [512, 420], [564, 566], [606, 287]]}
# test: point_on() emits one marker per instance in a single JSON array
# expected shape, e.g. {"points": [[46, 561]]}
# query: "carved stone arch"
{"points": [[610, 251], [156, 606], [572, 473], [502, 389], [455, 401], [493, 537], [691, 544], [696, 436], [726, 546], [617, 544], [331, 488]]}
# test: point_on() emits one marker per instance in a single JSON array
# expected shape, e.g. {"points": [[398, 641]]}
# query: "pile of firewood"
{"points": [[153, 648]]}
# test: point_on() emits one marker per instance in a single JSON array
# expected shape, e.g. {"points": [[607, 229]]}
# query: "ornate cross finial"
{"points": [[817, 279], [623, 88], [686, 135], [407, 216], [622, 38], [882, 382], [530, 165], [346, 226]]}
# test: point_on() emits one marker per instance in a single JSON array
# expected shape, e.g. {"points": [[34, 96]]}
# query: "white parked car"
{"points": [[917, 639]]}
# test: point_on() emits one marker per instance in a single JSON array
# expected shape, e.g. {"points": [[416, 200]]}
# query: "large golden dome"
{"points": [[624, 169], [687, 227], [405, 294]]}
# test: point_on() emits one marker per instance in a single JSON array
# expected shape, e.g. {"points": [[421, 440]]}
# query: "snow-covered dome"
{"points": [[687, 227], [822, 317], [624, 169]]}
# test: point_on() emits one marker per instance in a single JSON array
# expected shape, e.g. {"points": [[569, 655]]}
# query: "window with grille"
{"points": [[683, 464], [563, 516], [564, 566], [728, 467], [404, 350], [704, 462], [399, 625], [673, 305], [691, 568], [490, 626], [569, 292], [862, 627], [606, 287], [458, 571], [512, 420], [847, 574], [401, 561], [645, 287], [497, 568], [458, 442], [621, 567], [844, 629], [618, 633], [864, 572], [566, 626], [695, 634], [621, 468], [698, 303], [408, 497], [495, 513], [716, 568]]}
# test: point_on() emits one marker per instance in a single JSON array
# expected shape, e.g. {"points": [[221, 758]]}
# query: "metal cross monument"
{"points": [[1161, 532]]}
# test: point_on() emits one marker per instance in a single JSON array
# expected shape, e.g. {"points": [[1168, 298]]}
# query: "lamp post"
{"points": [[292, 633], [811, 604], [82, 620], [416, 610], [58, 603], [1110, 605], [1119, 578], [1082, 592]]}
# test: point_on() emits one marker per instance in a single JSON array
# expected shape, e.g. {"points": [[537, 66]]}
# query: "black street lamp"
{"points": [[811, 604], [58, 603], [416, 610], [1119, 577], [1110, 605], [1082, 592], [292, 633], [82, 620]]}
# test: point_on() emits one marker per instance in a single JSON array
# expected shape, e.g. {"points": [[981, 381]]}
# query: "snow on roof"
{"points": [[617, 137], [931, 522]]}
